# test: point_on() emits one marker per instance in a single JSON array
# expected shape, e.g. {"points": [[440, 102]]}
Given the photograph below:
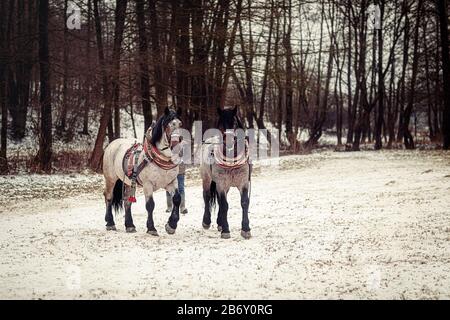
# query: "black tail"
{"points": [[117, 200], [214, 195]]}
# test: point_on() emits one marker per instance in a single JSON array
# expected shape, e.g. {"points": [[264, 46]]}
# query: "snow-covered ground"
{"points": [[326, 225]]}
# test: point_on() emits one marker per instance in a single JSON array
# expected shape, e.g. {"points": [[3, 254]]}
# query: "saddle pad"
{"points": [[131, 158]]}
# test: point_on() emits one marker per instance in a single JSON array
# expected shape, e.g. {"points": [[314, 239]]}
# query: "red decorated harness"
{"points": [[237, 161], [132, 168]]}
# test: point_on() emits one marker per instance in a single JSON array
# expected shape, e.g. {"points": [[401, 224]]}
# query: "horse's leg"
{"points": [[207, 199], [245, 201], [129, 226], [108, 193], [150, 206], [171, 225], [222, 219]]}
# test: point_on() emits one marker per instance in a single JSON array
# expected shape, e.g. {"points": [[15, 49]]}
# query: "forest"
{"points": [[368, 74], [352, 203]]}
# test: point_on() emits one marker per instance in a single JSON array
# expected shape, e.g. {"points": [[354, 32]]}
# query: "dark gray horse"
{"points": [[225, 164]]}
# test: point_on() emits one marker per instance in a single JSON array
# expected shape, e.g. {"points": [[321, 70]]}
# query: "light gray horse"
{"points": [[219, 176], [153, 175]]}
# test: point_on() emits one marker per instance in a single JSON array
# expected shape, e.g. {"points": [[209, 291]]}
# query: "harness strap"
{"points": [[231, 163], [152, 153]]}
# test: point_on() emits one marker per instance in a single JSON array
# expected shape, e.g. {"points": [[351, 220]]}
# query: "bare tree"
{"points": [[97, 153], [45, 141], [3, 77], [88, 74], [408, 138], [380, 111], [121, 8], [144, 82], [443, 20]]}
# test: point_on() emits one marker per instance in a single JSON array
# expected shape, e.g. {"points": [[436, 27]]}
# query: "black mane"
{"points": [[161, 124]]}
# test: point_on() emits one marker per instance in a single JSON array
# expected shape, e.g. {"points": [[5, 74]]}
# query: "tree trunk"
{"points": [[88, 74], [315, 132], [160, 85], [260, 120], [4, 57], [3, 154], [45, 141], [230, 55], [144, 82], [183, 57], [430, 106], [437, 87], [350, 113], [319, 117], [200, 60], [130, 101], [443, 22], [392, 112], [402, 81], [20, 74], [407, 137], [62, 122], [380, 111], [362, 113], [97, 153], [248, 96], [110, 130], [289, 87], [337, 102], [120, 14]]}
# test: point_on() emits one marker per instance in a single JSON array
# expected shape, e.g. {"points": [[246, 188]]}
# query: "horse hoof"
{"points": [[246, 234], [169, 229], [111, 228], [131, 230], [225, 235], [206, 226], [219, 228], [153, 233]]}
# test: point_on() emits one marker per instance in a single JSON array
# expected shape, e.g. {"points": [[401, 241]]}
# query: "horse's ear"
{"points": [[179, 112], [166, 111], [219, 111]]}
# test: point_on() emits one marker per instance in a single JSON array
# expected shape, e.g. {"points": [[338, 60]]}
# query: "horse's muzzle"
{"points": [[175, 139]]}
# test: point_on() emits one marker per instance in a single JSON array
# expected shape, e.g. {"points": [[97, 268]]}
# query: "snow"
{"points": [[325, 225]]}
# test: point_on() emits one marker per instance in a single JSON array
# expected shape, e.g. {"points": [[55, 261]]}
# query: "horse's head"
{"points": [[228, 124], [229, 120], [169, 124], [171, 121]]}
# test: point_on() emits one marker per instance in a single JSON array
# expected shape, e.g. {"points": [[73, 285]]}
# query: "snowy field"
{"points": [[327, 225]]}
